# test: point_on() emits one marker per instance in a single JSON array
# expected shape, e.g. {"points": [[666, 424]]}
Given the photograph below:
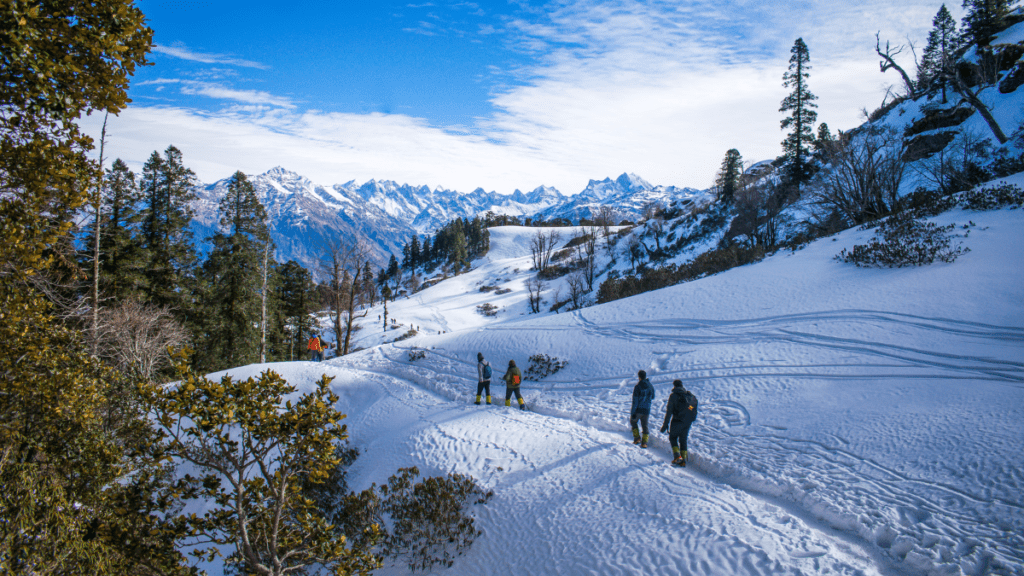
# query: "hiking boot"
{"points": [[477, 402], [636, 441], [522, 406], [679, 461], [643, 444]]}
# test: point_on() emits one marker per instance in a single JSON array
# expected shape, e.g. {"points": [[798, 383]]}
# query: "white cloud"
{"points": [[658, 88], [224, 93], [183, 53]]}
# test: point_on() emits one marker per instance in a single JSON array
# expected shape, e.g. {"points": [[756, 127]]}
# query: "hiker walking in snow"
{"points": [[483, 378], [513, 377], [643, 395], [316, 349], [681, 412]]}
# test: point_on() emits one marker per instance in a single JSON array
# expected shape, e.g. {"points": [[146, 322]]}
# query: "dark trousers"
{"points": [[510, 390], [642, 418], [481, 386], [677, 434]]}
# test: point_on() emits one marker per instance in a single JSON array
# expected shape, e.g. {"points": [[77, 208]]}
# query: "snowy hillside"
{"points": [[852, 421]]}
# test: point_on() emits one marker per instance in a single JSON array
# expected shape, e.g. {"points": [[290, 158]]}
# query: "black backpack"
{"points": [[687, 408]]}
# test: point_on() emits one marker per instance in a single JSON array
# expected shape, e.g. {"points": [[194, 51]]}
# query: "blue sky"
{"points": [[502, 94]]}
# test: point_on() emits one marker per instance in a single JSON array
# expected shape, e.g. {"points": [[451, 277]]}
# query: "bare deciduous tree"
{"points": [[577, 285], [343, 265], [863, 178], [534, 287], [542, 246], [958, 166], [137, 337]]}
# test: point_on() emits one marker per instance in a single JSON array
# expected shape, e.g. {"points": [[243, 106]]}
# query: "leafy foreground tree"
{"points": [[255, 451], [81, 483], [275, 470]]}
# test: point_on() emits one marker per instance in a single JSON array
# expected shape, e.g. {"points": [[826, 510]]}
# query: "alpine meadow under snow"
{"points": [[852, 421]]}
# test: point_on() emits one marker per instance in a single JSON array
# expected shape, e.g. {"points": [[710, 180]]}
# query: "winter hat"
{"points": [[479, 356], [642, 374], [677, 383], [511, 363]]}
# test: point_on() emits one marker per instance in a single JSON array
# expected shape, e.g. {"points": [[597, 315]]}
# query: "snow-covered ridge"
{"points": [[305, 215]]}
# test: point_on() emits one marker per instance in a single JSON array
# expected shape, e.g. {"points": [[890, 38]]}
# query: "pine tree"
{"points": [[983, 19], [393, 267], [168, 188], [728, 179], [943, 44], [414, 252], [800, 104], [123, 265], [823, 143], [234, 272]]}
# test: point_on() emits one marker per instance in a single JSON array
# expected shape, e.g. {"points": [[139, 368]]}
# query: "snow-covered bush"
{"points": [[904, 240], [993, 197], [429, 524], [415, 355], [487, 309], [542, 365], [412, 332], [501, 291]]}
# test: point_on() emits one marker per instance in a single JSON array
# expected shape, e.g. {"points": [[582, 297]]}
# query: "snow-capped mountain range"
{"points": [[305, 216]]}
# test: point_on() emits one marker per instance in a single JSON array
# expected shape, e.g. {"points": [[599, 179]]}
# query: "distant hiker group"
{"points": [[680, 412]]}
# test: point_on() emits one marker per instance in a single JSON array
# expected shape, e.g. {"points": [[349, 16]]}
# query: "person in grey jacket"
{"points": [[483, 378], [643, 395]]}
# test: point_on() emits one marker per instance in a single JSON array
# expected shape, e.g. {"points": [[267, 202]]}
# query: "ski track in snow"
{"points": [[929, 524]]}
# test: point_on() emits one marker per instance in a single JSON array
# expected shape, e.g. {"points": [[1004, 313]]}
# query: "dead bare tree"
{"points": [[137, 337], [343, 265], [97, 211], [534, 287], [606, 219], [586, 255], [889, 62], [980, 76]]}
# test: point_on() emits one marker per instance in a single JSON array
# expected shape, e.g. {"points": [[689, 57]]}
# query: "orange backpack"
{"points": [[314, 344]]}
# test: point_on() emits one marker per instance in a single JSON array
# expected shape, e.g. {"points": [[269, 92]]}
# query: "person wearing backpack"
{"points": [[483, 378], [643, 395], [679, 416], [315, 348], [513, 377]]}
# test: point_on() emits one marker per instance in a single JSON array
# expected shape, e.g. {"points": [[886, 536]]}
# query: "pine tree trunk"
{"points": [[263, 305], [97, 204]]}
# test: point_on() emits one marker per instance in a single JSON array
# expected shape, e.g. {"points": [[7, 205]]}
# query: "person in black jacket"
{"points": [[679, 416], [640, 411]]}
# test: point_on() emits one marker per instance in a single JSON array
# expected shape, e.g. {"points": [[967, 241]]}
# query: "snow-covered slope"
{"points": [[852, 421]]}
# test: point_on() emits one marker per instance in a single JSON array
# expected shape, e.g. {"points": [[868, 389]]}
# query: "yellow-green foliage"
{"points": [[255, 450], [81, 482]]}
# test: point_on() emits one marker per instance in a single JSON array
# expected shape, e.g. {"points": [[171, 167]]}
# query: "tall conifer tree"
{"points": [[234, 274], [984, 18], [122, 269], [943, 44], [168, 188], [800, 106], [729, 175]]}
